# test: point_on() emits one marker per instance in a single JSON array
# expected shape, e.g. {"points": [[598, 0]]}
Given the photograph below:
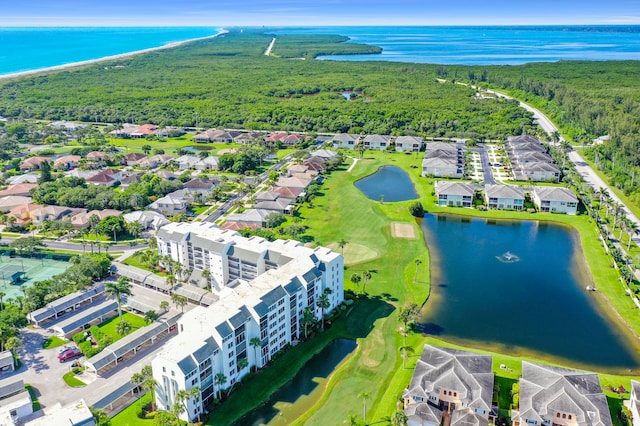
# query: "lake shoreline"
{"points": [[126, 55]]}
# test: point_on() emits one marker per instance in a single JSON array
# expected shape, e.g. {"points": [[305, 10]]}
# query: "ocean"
{"points": [[33, 48], [494, 45]]}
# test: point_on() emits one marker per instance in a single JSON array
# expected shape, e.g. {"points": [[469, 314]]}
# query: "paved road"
{"points": [[261, 179], [65, 245], [486, 168]]}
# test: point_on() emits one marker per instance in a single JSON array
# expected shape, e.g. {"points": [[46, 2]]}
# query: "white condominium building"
{"points": [[263, 289]]}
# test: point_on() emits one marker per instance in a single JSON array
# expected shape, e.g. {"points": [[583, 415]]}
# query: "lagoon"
{"points": [[519, 287], [299, 394], [389, 183]]}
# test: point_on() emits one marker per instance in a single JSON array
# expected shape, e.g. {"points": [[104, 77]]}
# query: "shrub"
{"points": [[416, 209]]}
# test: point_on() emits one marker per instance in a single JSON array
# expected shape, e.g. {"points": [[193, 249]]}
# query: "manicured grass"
{"points": [[70, 379], [200, 209], [53, 342], [129, 416], [134, 260], [109, 327]]}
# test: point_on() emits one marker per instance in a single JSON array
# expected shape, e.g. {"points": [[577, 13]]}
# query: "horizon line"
{"points": [[318, 25]]}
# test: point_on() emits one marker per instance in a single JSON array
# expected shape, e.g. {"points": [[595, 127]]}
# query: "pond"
{"points": [[519, 287], [299, 394], [389, 183], [194, 149]]}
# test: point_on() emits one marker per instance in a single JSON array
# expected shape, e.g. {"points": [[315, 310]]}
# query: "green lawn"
{"points": [[53, 342], [109, 327], [70, 379], [35, 404], [129, 416]]}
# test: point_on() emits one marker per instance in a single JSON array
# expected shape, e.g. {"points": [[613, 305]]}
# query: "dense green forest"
{"points": [[229, 82], [586, 99]]}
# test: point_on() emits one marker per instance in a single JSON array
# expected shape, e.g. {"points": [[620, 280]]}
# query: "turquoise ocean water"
{"points": [[25, 49], [32, 48], [489, 45]]}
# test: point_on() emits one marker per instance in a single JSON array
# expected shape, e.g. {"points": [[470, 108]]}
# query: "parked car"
{"points": [[68, 354]]}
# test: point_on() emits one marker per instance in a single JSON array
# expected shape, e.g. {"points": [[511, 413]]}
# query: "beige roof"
{"points": [[18, 189], [555, 193]]}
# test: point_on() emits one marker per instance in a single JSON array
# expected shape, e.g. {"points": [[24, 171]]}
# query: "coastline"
{"points": [[107, 58]]}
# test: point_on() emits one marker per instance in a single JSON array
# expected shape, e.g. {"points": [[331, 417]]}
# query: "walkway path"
{"points": [[268, 51], [355, 161]]}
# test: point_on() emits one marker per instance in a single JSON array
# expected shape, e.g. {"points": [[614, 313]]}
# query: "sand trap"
{"points": [[227, 151], [355, 253], [403, 230]]}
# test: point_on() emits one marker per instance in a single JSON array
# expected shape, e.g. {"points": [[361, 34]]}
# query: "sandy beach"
{"points": [[107, 58]]}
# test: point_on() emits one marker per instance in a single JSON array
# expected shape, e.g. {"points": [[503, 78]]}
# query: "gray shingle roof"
{"points": [[454, 188], [555, 193], [504, 191]]}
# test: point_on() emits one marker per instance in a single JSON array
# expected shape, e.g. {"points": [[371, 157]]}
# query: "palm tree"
{"points": [[242, 364], [179, 406], [150, 316], [352, 420], [632, 229], [324, 303], [366, 275], [179, 301], [138, 379], [341, 244], [123, 328], [307, 320], [406, 350], [255, 343], [355, 279], [206, 275], [399, 418], [220, 380], [364, 395], [164, 305], [12, 344], [118, 289], [150, 384], [417, 262]]}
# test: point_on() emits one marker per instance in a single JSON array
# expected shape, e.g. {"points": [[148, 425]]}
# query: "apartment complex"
{"points": [[263, 289]]}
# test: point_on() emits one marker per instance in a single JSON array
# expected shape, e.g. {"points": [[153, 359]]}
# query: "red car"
{"points": [[68, 354]]}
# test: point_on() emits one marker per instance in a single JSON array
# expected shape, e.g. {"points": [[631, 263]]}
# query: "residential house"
{"points": [[187, 162], [130, 178], [207, 163], [522, 139], [634, 403], [441, 167], [455, 194], [67, 162], [293, 182], [202, 185], [275, 137], [148, 219], [166, 174], [345, 140], [537, 171], [450, 386], [504, 197], [287, 192], [324, 155], [25, 178], [134, 158], [144, 131], [560, 396], [84, 174], [519, 149], [248, 137], [298, 170], [155, 161], [555, 199], [107, 177], [67, 125], [266, 286], [239, 226], [125, 131], [213, 135], [315, 163], [188, 195], [23, 189], [522, 157], [53, 213], [82, 219], [33, 163], [376, 142], [24, 213], [447, 146], [12, 201], [292, 139], [250, 216], [169, 205], [274, 201], [409, 143], [97, 156]]}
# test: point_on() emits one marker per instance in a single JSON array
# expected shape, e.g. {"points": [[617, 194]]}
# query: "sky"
{"points": [[316, 12]]}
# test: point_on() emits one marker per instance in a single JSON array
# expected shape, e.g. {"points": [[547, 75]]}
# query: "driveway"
{"points": [[486, 168]]}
